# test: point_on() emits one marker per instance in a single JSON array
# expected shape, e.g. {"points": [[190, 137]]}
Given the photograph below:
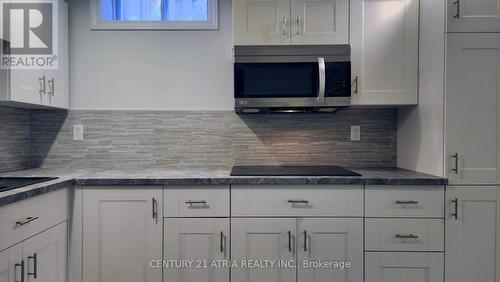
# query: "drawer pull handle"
{"points": [[455, 212], [193, 203], [294, 202], [290, 241], [35, 266], [407, 202], [408, 236], [22, 271], [26, 220], [305, 241]]}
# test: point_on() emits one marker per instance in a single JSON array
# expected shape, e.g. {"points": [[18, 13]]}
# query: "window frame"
{"points": [[211, 24]]}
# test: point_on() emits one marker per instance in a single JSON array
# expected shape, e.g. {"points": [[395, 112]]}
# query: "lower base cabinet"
{"points": [[303, 241], [404, 267], [201, 242], [472, 234], [122, 234], [41, 258]]}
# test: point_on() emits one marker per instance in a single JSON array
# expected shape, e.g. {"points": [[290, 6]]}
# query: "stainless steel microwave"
{"points": [[292, 77]]}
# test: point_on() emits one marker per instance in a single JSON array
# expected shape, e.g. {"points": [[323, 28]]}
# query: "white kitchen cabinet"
{"points": [[473, 16], [405, 267], [11, 264], [263, 239], [35, 88], [337, 240], [384, 52], [472, 108], [472, 234], [202, 241], [122, 233], [319, 22], [45, 255], [283, 22]]}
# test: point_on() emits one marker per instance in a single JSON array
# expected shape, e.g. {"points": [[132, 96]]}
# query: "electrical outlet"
{"points": [[355, 133], [78, 132]]}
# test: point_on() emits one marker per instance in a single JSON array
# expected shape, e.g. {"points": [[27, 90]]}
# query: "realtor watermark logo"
{"points": [[29, 34]]}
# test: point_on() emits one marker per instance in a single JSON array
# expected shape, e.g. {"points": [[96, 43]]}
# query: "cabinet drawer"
{"points": [[397, 234], [404, 201], [387, 266], [299, 200], [45, 211], [191, 201]]}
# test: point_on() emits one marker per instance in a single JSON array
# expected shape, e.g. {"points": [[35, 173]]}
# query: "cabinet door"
{"points": [[26, 87], [384, 37], [11, 264], [57, 80], [404, 267], [263, 239], [320, 22], [333, 240], [45, 255], [122, 233], [472, 228], [201, 241], [472, 107], [261, 22], [473, 16]]}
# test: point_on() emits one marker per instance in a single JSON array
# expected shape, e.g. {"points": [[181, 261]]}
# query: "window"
{"points": [[154, 14]]}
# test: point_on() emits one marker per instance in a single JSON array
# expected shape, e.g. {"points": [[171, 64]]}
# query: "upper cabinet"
{"points": [[384, 52], [283, 22], [472, 107], [41, 86], [473, 16]]}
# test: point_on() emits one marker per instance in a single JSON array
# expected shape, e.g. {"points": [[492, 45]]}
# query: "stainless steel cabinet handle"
{"points": [[35, 265], [298, 202], [22, 271], [356, 85], [26, 220], [290, 241], [155, 209], [457, 15], [455, 213], [299, 25], [285, 26], [406, 236], [51, 84], [455, 156], [322, 79], [305, 240], [42, 81], [222, 242], [407, 202], [192, 204]]}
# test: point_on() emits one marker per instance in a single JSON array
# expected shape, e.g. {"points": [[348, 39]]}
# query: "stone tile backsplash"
{"points": [[212, 138], [15, 139]]}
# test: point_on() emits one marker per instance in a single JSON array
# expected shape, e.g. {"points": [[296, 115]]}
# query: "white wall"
{"points": [[167, 70], [421, 128]]}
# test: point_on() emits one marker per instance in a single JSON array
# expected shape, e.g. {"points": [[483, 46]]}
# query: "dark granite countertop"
{"points": [[199, 176]]}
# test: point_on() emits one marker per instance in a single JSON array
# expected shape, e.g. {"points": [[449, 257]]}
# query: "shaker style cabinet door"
{"points": [[261, 22], [404, 267], [202, 241], [472, 108], [320, 22], [45, 255], [384, 51], [472, 234], [122, 233], [263, 239], [11, 264], [333, 240], [473, 15]]}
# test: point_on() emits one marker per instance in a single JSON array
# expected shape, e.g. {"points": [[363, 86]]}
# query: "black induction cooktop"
{"points": [[291, 170], [9, 183]]}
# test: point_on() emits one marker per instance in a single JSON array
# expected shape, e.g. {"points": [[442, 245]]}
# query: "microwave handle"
{"points": [[322, 79]]}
